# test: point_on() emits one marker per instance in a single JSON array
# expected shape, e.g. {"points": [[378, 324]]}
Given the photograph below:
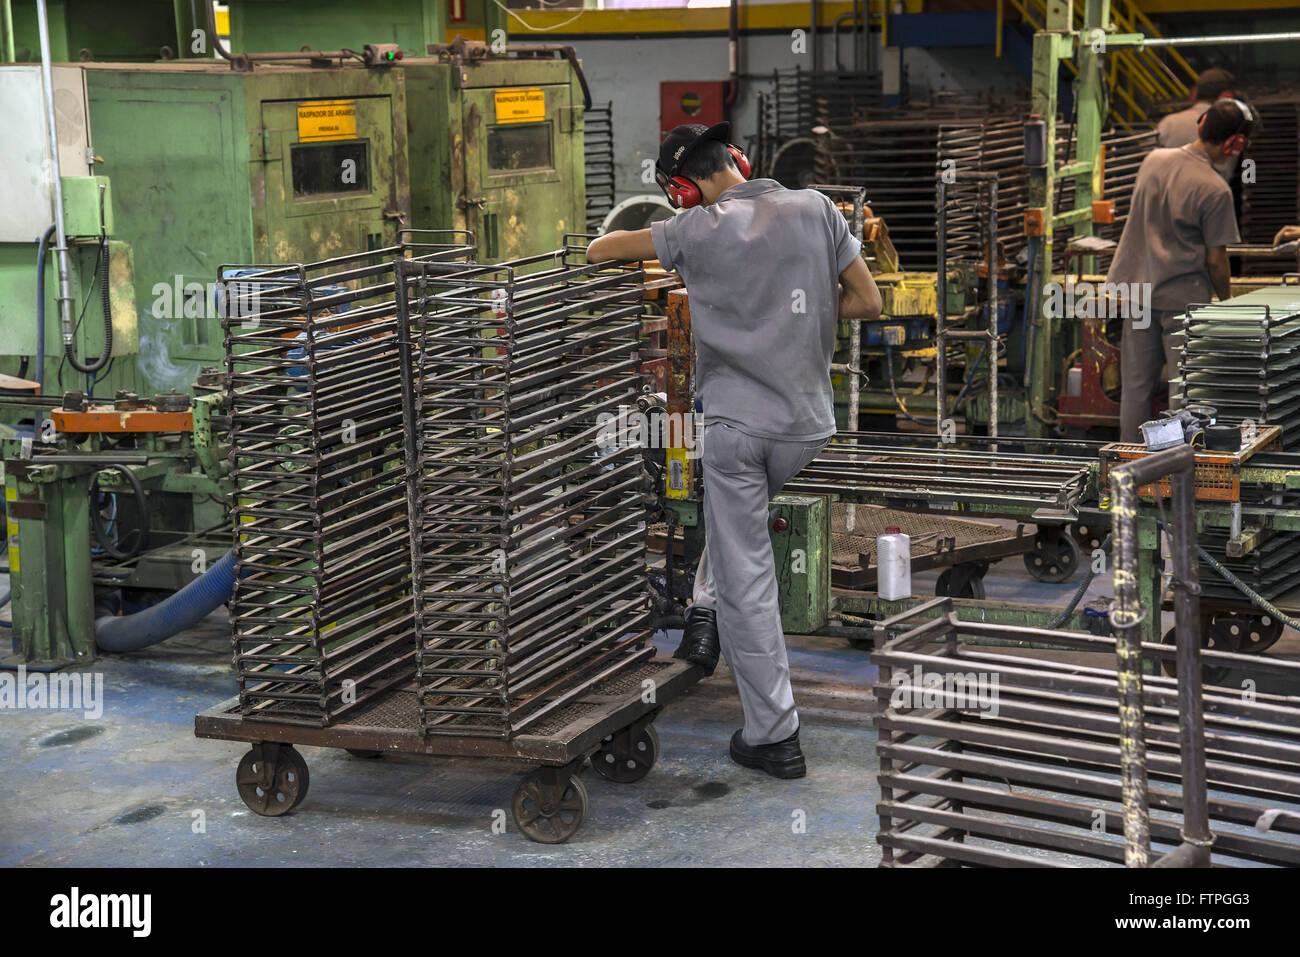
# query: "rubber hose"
{"points": [[142, 510], [106, 304], [5, 594], [40, 304], [174, 614]]}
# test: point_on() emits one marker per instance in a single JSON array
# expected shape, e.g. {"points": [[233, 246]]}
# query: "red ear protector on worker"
{"points": [[682, 191], [1236, 142]]}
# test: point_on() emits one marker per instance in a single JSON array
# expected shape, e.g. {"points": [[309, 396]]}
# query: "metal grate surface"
{"points": [[321, 611], [529, 528]]}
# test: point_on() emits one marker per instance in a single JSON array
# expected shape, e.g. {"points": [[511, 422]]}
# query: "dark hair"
{"points": [[1226, 118], [706, 160], [1214, 82]]}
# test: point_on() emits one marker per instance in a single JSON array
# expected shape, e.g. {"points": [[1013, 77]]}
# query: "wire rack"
{"points": [[529, 528], [321, 612]]}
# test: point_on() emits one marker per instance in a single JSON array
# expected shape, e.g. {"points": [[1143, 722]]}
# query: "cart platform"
{"points": [[611, 724]]}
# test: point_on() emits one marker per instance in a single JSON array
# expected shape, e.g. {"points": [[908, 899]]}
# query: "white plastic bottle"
{"points": [[893, 565]]}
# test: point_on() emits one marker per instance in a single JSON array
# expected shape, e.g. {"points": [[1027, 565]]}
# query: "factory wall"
{"points": [[628, 71]]}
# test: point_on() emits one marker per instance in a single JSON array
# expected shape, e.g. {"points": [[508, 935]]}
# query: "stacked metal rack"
{"points": [[321, 617], [998, 759], [598, 148], [528, 526], [1242, 358]]}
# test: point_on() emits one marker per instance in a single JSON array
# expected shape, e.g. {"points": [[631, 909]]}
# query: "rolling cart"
{"points": [[611, 724]]}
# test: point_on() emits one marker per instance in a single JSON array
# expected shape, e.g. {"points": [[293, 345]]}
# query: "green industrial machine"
{"points": [[177, 167]]}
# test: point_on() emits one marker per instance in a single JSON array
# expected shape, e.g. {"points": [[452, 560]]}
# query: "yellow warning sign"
{"points": [[521, 105], [327, 120]]}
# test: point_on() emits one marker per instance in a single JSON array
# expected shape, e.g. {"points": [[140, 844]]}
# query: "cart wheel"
{"points": [[624, 760], [1210, 638], [1248, 634], [1052, 561], [1087, 537], [275, 786], [972, 587], [550, 813], [364, 754]]}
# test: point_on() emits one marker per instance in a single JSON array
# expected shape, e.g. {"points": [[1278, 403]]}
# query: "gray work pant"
{"points": [[737, 576], [1142, 352]]}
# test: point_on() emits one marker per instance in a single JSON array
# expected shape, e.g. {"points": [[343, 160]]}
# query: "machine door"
{"points": [[330, 178], [521, 144]]}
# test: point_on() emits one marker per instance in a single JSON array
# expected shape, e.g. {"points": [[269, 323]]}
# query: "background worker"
{"points": [[1174, 243], [762, 265], [1180, 129]]}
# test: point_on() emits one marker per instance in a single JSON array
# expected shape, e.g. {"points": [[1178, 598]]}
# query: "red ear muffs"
{"points": [[683, 193], [1235, 144], [741, 160]]}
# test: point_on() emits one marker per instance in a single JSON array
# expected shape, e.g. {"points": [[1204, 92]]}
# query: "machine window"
{"points": [[519, 146], [330, 168]]}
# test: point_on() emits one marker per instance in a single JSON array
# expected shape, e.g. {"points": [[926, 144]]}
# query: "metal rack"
{"points": [[598, 151], [528, 526], [320, 616]]}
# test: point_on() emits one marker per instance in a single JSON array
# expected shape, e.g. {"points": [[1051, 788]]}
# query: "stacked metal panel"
{"points": [[1002, 759], [598, 150], [1243, 358], [996, 144], [528, 521], [321, 618], [1270, 195]]}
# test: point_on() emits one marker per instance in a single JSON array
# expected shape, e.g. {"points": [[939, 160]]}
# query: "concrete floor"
{"points": [[132, 787]]}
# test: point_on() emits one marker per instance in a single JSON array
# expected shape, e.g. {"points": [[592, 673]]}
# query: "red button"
{"points": [[780, 525]]}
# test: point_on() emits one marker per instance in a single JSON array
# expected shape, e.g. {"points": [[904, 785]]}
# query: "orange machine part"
{"points": [[108, 419]]}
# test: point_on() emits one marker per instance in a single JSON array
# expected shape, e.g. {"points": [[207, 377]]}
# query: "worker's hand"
{"points": [[626, 244], [1286, 234]]}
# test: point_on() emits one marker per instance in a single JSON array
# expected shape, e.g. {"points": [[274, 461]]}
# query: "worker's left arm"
{"points": [[1216, 260], [1219, 229], [630, 245]]}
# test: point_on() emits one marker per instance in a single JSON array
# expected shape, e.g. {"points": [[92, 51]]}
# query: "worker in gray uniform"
{"points": [[1174, 246], [763, 266]]}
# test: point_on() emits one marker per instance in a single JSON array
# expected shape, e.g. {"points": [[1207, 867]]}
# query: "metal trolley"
{"points": [[437, 553], [612, 725]]}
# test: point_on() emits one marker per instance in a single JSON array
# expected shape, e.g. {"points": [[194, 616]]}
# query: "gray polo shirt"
{"points": [[1180, 208], [762, 267]]}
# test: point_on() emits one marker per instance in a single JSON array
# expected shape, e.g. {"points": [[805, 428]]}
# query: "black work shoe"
{"points": [[700, 639], [784, 759]]}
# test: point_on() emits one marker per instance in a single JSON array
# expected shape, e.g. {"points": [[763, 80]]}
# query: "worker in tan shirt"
{"points": [[1174, 246]]}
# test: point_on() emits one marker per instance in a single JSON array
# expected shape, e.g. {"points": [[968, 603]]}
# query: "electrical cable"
{"points": [[1073, 603], [142, 515], [94, 365], [1256, 599]]}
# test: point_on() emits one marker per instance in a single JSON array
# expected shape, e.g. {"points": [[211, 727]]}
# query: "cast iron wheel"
{"points": [[1248, 634], [972, 587], [1087, 537], [622, 759], [272, 787], [1210, 638], [1052, 561], [549, 814]]}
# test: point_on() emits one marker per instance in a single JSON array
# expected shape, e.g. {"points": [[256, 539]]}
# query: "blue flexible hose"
{"points": [[174, 614]]}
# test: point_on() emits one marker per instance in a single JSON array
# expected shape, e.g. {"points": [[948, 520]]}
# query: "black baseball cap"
{"points": [[678, 144]]}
